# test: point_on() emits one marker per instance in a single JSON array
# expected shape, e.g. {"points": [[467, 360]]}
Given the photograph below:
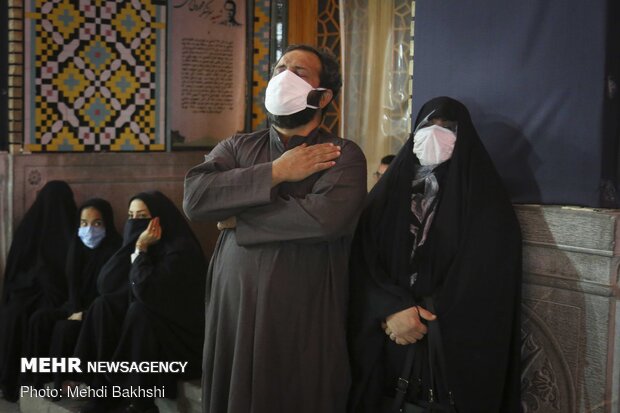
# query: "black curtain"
{"points": [[538, 78], [612, 115]]}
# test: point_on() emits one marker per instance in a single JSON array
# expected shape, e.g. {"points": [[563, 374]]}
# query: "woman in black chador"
{"points": [[438, 224], [150, 303], [94, 241], [35, 274]]}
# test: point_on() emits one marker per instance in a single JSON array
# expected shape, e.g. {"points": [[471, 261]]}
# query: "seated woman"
{"points": [[35, 274], [53, 332], [151, 303], [438, 230]]}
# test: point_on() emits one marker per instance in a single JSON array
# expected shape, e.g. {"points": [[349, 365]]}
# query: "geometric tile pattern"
{"points": [[411, 56], [261, 64], [96, 76], [328, 37]]}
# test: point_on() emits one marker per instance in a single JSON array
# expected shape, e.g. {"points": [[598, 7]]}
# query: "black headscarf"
{"points": [[167, 287], [470, 264], [178, 262], [113, 279], [176, 233], [101, 326], [38, 252], [83, 263]]}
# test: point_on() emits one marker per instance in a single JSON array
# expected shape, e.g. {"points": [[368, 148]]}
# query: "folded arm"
{"points": [[217, 189], [328, 212]]}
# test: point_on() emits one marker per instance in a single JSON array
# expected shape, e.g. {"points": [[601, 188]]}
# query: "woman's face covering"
{"points": [[92, 228]]}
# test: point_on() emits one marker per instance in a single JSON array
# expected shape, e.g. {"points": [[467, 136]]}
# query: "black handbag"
{"points": [[397, 404]]}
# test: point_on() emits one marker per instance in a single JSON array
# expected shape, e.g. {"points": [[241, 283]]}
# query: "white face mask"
{"points": [[287, 93], [433, 144]]}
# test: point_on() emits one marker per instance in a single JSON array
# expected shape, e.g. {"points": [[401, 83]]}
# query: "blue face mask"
{"points": [[91, 236]]}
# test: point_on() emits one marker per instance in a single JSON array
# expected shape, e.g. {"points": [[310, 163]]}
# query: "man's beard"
{"points": [[292, 121]]}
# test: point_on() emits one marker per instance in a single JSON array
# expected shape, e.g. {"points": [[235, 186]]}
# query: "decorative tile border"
{"points": [[328, 37]]}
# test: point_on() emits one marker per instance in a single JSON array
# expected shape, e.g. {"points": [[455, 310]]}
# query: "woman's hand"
{"points": [[406, 327], [150, 236], [75, 316]]}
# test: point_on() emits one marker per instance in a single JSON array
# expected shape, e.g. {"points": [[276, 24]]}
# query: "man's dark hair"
{"points": [[330, 77], [387, 159]]}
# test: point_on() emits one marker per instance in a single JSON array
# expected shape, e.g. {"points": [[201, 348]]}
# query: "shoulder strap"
{"points": [[403, 381], [435, 352]]}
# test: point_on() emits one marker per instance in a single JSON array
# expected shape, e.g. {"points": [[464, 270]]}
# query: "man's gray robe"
{"points": [[277, 283]]}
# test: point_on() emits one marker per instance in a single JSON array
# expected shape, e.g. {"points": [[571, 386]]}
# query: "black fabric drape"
{"points": [[471, 264], [34, 278]]}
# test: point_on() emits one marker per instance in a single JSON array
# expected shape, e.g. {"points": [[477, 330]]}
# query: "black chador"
{"points": [[50, 332], [470, 263], [35, 274], [165, 321], [102, 321], [151, 309]]}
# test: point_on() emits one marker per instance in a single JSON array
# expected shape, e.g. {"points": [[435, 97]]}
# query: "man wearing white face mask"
{"points": [[286, 200]]}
